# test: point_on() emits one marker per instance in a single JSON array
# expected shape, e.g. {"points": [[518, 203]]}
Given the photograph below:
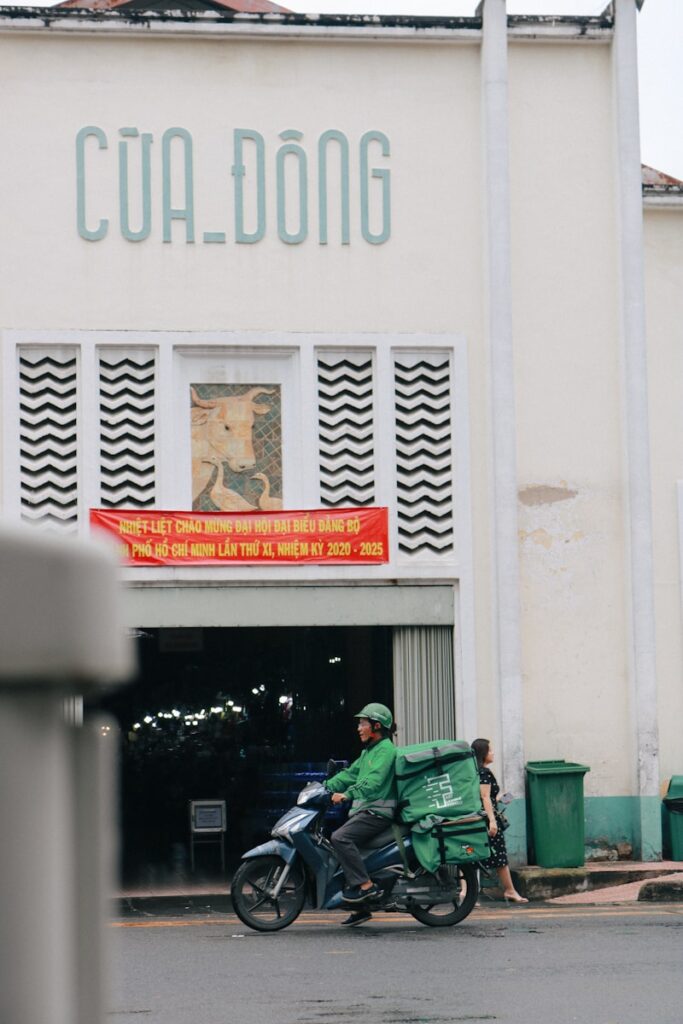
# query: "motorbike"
{"points": [[298, 865]]}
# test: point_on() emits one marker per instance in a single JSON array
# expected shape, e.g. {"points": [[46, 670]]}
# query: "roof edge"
{"points": [[59, 12], [209, 22], [543, 24]]}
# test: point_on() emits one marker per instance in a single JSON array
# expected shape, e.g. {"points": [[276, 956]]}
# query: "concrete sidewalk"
{"points": [[603, 882], [595, 884]]}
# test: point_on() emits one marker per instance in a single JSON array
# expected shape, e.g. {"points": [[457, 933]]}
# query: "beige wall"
{"points": [[664, 296], [59, 85], [427, 278]]}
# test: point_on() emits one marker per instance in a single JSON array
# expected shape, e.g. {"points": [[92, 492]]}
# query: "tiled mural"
{"points": [[236, 447]]}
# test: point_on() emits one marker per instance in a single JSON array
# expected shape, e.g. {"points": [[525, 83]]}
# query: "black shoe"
{"points": [[358, 917], [355, 894]]}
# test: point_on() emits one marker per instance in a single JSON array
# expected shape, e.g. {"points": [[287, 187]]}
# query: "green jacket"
{"points": [[370, 782]]}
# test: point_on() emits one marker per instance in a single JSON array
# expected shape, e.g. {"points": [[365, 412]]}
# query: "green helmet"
{"points": [[377, 713]]}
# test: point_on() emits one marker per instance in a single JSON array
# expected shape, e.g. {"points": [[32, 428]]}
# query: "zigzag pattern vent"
{"points": [[48, 437], [424, 467], [127, 431], [346, 429]]}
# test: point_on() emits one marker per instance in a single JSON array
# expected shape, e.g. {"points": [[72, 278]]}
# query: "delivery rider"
{"points": [[370, 785]]}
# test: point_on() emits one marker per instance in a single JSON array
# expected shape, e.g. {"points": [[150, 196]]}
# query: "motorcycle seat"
{"points": [[385, 837]]}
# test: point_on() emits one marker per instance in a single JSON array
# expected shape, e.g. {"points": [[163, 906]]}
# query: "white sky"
{"points": [[660, 40]]}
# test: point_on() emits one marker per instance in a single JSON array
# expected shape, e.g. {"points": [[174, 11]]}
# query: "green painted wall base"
{"points": [[515, 836], [616, 820], [615, 826]]}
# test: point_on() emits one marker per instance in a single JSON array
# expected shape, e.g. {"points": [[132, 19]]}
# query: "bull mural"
{"points": [[236, 447]]}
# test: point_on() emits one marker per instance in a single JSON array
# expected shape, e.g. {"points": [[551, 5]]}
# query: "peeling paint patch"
{"points": [[543, 538], [577, 535], [545, 495], [540, 536]]}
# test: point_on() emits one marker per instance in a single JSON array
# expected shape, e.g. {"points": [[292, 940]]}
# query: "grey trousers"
{"points": [[348, 837]]}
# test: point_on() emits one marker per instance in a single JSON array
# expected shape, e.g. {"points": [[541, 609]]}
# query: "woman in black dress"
{"points": [[489, 796]]}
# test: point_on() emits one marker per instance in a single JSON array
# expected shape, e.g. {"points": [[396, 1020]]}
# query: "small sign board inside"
{"points": [[207, 815]]}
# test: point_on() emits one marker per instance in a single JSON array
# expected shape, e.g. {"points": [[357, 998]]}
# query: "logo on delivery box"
{"points": [[439, 790]]}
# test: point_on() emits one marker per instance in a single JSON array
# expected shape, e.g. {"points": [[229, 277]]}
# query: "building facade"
{"points": [[423, 248]]}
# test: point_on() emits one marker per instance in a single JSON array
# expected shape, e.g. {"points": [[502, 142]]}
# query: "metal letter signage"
{"points": [[185, 212], [277, 171], [146, 142], [239, 172], [91, 235]]}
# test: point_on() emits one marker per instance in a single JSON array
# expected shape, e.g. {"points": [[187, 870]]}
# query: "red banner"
{"points": [[340, 536]]}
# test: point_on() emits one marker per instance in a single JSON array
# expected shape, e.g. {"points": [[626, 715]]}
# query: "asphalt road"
{"points": [[536, 965]]}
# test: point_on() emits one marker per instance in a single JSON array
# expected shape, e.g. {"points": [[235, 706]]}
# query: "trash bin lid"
{"points": [[556, 768], [675, 789], [674, 804]]}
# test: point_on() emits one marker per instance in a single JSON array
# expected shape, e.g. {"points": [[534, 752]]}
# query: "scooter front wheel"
{"points": [[260, 896], [463, 879]]}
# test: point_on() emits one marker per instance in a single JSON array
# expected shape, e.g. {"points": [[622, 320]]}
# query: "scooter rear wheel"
{"points": [[464, 878], [252, 893]]}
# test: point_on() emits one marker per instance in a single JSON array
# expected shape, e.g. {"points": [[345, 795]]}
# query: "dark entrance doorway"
{"points": [[241, 715]]}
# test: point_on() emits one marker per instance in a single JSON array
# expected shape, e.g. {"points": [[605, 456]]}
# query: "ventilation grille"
{"points": [[424, 477], [48, 436], [127, 438], [347, 457]]}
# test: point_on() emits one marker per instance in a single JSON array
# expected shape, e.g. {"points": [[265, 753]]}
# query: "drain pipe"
{"points": [[648, 838], [494, 65]]}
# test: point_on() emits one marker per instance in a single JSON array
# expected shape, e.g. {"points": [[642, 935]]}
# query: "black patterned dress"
{"points": [[499, 855]]}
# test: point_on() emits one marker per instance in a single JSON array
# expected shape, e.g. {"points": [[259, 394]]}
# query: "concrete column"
{"points": [[494, 71], [61, 638], [636, 417], [38, 967]]}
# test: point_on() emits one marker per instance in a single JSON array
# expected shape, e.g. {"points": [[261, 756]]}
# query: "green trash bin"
{"points": [[555, 790], [673, 802]]}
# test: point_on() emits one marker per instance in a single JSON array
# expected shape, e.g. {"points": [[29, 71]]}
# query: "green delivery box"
{"points": [[462, 841], [437, 778]]}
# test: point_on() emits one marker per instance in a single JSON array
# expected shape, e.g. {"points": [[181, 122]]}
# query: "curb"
{"points": [[154, 906], [666, 891], [537, 884], [547, 883]]}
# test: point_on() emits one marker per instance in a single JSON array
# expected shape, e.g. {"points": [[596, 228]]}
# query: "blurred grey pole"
{"points": [[61, 639]]}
